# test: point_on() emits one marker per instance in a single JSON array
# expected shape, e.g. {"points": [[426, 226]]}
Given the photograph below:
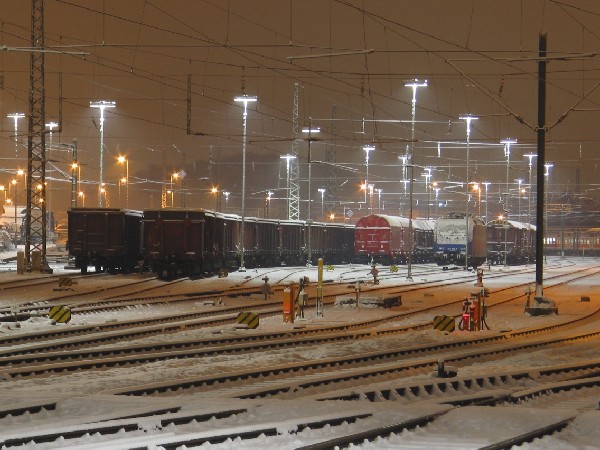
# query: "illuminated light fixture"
{"points": [[102, 105], [245, 100]]}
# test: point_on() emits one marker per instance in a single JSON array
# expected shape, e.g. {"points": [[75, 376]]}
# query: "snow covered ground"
{"points": [[82, 396]]}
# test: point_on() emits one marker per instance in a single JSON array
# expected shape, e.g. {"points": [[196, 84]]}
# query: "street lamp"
{"points": [[268, 203], [486, 184], [519, 191], [174, 176], [437, 201], [287, 171], [322, 191], [75, 176], [468, 119], [226, 195], [82, 195], [245, 100], [427, 176], [215, 191], [368, 149], [545, 212], [15, 182], [102, 105], [507, 143], [414, 84], [16, 117], [310, 130], [124, 160], [379, 201], [529, 253]]}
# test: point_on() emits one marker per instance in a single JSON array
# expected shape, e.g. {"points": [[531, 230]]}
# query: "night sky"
{"points": [[351, 60]]}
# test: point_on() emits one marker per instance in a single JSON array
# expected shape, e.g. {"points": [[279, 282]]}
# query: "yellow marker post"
{"points": [[319, 301]]}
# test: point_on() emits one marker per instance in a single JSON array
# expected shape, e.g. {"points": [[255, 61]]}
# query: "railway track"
{"points": [[353, 399]]}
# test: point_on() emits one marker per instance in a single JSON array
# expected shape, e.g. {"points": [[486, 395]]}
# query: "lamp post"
{"points": [[102, 105], [310, 131], [245, 100], [226, 195], [16, 117], [368, 149], [414, 84], [437, 201], [174, 177], [123, 160], [486, 184], [545, 212], [15, 182], [75, 176], [82, 195], [287, 178], [468, 119], [427, 176], [379, 201], [530, 156], [215, 191], [268, 204], [507, 143], [519, 181], [322, 192]]}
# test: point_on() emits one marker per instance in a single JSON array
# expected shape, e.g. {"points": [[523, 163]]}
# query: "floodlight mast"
{"points": [[414, 84], [245, 100], [101, 105], [468, 119]]}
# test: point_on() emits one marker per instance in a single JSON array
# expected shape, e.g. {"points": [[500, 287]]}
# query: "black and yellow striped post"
{"points": [[61, 314], [444, 323], [248, 318]]}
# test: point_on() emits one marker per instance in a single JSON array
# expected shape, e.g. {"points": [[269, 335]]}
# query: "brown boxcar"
{"points": [[107, 238], [181, 242], [510, 242]]}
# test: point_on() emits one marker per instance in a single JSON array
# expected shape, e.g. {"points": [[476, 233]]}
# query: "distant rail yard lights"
{"points": [[507, 143], [101, 105], [368, 149], [226, 195], [82, 195], [309, 131], [123, 160], [245, 100], [215, 191], [414, 84], [468, 119], [16, 117]]}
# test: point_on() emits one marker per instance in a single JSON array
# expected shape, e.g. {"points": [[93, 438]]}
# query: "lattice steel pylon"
{"points": [[35, 217], [294, 201]]}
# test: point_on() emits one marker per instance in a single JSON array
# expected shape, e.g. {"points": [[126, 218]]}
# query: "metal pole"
{"points": [[245, 100], [468, 120], [414, 84], [541, 147]]}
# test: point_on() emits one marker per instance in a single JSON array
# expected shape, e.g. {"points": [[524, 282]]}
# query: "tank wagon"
{"points": [[385, 239], [510, 242], [108, 239], [455, 235]]}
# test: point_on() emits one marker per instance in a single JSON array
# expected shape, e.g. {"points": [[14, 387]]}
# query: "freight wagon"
{"points": [[385, 239], [107, 239], [510, 242]]}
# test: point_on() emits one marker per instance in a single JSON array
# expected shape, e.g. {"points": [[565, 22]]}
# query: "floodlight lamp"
{"points": [[311, 130]]}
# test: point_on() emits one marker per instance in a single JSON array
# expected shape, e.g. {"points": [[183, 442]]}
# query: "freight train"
{"points": [[192, 242]]}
